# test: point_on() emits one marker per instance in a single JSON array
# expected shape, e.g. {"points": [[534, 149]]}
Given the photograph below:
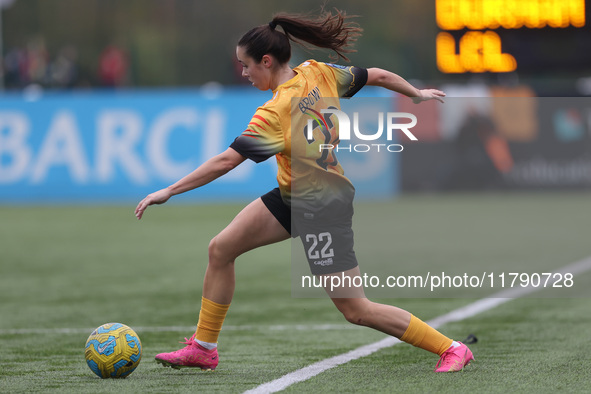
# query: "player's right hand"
{"points": [[159, 197]]}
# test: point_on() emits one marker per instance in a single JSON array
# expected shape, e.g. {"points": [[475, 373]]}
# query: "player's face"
{"points": [[258, 74]]}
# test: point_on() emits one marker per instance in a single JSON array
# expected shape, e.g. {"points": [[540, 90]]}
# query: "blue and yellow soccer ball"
{"points": [[113, 350]]}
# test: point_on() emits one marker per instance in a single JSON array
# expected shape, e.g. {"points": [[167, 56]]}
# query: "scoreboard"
{"points": [[500, 36]]}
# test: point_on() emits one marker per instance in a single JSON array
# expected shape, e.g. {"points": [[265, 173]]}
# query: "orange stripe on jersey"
{"points": [[261, 118], [252, 131], [256, 124]]}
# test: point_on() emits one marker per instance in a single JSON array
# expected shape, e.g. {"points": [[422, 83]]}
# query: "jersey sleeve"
{"points": [[349, 79], [262, 138]]}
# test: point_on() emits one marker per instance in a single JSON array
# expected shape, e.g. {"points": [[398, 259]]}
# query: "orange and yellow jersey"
{"points": [[307, 173]]}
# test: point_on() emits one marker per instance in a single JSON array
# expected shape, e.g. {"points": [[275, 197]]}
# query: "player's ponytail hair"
{"points": [[334, 32]]}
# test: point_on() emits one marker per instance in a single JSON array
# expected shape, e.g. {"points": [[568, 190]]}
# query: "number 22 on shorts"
{"points": [[322, 241]]}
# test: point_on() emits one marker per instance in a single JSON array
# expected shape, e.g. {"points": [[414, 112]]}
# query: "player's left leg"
{"points": [[357, 309]]}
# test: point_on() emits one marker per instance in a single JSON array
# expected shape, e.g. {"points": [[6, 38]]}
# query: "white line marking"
{"points": [[456, 315], [187, 329]]}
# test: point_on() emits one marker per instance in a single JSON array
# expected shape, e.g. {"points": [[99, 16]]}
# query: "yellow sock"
{"points": [[422, 335], [211, 319]]}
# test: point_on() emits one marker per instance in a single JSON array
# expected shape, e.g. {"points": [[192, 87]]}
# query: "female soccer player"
{"points": [[314, 198]]}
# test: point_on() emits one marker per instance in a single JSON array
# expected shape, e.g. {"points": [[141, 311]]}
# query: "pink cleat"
{"points": [[454, 359], [191, 356]]}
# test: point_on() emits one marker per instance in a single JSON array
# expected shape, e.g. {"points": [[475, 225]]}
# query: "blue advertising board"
{"points": [[113, 146]]}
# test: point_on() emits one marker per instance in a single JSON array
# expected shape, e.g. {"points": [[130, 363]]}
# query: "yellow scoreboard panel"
{"points": [[500, 36]]}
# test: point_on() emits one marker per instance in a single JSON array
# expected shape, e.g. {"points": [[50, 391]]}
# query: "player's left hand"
{"points": [[429, 94]]}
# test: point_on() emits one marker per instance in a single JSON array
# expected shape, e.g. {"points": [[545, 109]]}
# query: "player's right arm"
{"points": [[261, 139], [205, 173]]}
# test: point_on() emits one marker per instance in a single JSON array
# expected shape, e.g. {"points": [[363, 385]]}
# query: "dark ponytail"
{"points": [[329, 31]]}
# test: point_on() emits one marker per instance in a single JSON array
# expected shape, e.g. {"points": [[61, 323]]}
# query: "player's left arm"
{"points": [[394, 82]]}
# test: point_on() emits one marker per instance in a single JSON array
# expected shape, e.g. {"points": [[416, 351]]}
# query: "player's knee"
{"points": [[354, 314], [218, 253]]}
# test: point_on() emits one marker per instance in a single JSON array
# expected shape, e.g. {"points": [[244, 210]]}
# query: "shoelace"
{"points": [[189, 341]]}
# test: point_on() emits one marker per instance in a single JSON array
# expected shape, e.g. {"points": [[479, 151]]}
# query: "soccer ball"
{"points": [[113, 350]]}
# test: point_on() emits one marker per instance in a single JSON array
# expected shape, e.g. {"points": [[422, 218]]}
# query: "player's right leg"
{"points": [[350, 299], [253, 227], [357, 309]]}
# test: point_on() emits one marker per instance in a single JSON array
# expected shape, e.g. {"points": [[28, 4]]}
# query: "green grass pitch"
{"points": [[66, 270]]}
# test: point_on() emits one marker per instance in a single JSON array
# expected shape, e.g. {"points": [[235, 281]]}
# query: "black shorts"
{"points": [[328, 239]]}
